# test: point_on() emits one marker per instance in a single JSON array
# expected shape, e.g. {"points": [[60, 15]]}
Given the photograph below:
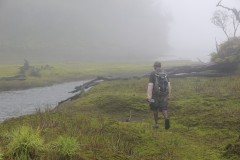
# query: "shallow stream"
{"points": [[22, 102]]}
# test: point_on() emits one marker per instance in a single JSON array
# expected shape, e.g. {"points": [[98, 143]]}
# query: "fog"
{"points": [[192, 35], [107, 30], [82, 30]]}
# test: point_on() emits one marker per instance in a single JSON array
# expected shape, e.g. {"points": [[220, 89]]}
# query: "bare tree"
{"points": [[235, 24], [234, 10], [216, 44], [221, 19]]}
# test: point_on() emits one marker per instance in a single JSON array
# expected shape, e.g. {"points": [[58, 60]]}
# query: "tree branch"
{"points": [[219, 2], [217, 46], [234, 10]]}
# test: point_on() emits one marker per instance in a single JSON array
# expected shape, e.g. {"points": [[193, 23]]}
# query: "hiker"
{"points": [[158, 92]]}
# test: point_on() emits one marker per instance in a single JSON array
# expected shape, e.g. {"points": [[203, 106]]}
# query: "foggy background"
{"points": [[81, 30], [107, 30], [192, 35]]}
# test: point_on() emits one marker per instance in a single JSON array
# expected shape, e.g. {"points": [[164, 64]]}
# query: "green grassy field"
{"points": [[64, 72], [204, 113]]}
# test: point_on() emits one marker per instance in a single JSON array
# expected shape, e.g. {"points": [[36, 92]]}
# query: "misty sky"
{"points": [[59, 30], [192, 34], [82, 29]]}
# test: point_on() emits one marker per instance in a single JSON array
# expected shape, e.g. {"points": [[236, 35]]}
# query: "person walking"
{"points": [[158, 92]]}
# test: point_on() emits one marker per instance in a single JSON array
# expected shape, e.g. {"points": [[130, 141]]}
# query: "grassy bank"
{"points": [[204, 115], [58, 73]]}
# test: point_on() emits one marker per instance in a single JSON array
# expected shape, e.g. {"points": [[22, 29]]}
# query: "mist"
{"points": [[192, 34], [82, 30]]}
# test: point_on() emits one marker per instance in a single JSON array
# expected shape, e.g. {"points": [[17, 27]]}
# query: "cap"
{"points": [[157, 64]]}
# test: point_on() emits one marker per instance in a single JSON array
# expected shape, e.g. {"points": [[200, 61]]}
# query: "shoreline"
{"points": [[24, 102], [24, 85]]}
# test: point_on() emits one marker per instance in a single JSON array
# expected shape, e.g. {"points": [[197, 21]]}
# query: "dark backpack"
{"points": [[161, 84]]}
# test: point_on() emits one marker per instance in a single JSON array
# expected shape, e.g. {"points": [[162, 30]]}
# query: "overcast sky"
{"points": [[192, 35]]}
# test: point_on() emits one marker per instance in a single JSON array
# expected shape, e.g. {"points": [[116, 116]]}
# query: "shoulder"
{"points": [[152, 77], [152, 73]]}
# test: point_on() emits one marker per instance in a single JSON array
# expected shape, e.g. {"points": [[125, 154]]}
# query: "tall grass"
{"points": [[25, 143], [214, 86], [66, 147]]}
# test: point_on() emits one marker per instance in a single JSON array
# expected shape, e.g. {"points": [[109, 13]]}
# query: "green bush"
{"points": [[227, 59], [25, 142], [66, 147], [229, 51]]}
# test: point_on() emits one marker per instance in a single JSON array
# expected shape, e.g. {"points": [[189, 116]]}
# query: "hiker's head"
{"points": [[157, 65]]}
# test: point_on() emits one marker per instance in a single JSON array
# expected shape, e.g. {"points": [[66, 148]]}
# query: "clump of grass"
{"points": [[1, 155], [66, 147], [25, 143]]}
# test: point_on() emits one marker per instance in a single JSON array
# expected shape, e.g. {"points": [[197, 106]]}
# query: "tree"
{"points": [[26, 64], [233, 10], [235, 24], [221, 19], [227, 57]]}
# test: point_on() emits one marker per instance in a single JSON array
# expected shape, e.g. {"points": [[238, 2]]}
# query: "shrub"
{"points": [[25, 142], [229, 51], [228, 57], [66, 147]]}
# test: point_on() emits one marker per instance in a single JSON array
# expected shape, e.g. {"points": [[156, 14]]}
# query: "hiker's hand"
{"points": [[149, 98]]}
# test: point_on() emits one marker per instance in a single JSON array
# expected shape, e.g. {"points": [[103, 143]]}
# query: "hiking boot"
{"points": [[155, 126], [167, 124]]}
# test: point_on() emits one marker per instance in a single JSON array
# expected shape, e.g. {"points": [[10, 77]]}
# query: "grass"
{"points": [[66, 147], [1, 155], [24, 143], [74, 71], [204, 116]]}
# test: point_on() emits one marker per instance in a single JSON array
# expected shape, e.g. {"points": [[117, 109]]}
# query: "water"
{"points": [[22, 102]]}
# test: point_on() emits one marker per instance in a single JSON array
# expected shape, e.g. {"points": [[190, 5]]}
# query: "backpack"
{"points": [[161, 84]]}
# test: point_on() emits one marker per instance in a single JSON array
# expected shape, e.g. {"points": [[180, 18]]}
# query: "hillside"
{"points": [[204, 124]]}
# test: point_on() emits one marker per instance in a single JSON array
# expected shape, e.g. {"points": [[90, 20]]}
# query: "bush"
{"points": [[229, 51], [66, 147], [228, 57], [25, 143], [34, 72]]}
